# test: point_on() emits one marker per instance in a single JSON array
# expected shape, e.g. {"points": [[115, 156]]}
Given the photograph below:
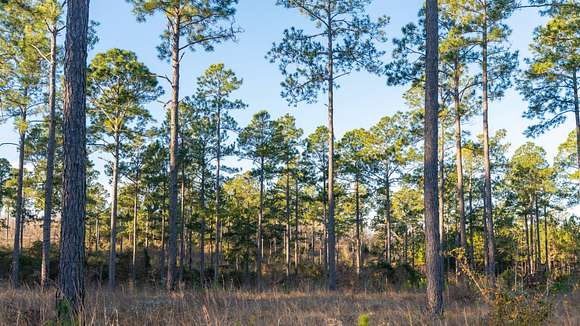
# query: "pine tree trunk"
{"points": [[202, 227], [487, 203], [259, 235], [114, 202], [538, 240], [577, 118], [459, 162], [287, 232], [71, 286], [528, 256], [18, 229], [358, 227], [217, 199], [296, 234], [433, 259], [48, 185], [388, 220], [173, 153], [331, 234], [135, 216], [547, 258], [441, 189], [182, 227]]}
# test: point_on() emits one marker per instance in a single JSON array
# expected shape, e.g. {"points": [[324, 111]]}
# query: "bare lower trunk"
{"points": [[217, 200], [433, 257], [259, 233], [71, 286], [18, 232], [577, 118], [296, 234], [331, 234], [459, 165], [135, 216], [48, 185], [287, 232], [487, 203], [113, 246], [547, 258], [538, 241], [528, 254], [202, 228], [358, 227], [173, 153], [388, 221]]}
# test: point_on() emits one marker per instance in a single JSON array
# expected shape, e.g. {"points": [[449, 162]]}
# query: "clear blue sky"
{"points": [[361, 100]]}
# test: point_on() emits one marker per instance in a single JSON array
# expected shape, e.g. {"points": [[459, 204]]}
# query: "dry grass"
{"points": [[240, 307]]}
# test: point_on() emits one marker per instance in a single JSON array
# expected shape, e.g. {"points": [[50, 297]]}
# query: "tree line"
{"points": [[371, 193]]}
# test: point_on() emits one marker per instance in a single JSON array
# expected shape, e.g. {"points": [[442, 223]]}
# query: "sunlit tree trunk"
{"points": [[487, 203], [173, 150], [434, 269], [71, 285]]}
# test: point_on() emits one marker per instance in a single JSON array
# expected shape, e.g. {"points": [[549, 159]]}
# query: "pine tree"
{"points": [[310, 63]]}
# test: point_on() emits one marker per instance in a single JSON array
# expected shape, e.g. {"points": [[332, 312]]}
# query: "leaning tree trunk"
{"points": [[48, 185], [433, 257], [17, 249], [71, 286], [487, 203], [114, 204], [331, 235], [173, 159]]}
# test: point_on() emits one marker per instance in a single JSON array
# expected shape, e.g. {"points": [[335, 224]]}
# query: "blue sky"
{"points": [[361, 100]]}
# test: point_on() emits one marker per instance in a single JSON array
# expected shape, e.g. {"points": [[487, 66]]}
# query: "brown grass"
{"points": [[242, 307]]}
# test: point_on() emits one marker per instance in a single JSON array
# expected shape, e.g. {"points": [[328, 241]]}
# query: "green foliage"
{"points": [[343, 31]]}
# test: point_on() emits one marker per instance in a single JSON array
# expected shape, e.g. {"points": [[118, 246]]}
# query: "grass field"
{"points": [[30, 306]]}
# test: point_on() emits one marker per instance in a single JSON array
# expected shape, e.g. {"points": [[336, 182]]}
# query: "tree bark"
{"points": [[358, 227], [71, 286], [459, 161], [217, 199], [528, 255], [331, 234], [135, 216], [18, 232], [296, 234], [547, 258], [432, 237], [202, 227], [287, 232], [173, 149], [48, 185], [388, 220], [487, 202], [259, 235], [577, 118], [114, 203], [538, 240]]}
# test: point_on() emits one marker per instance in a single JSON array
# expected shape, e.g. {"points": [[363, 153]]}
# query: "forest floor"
{"points": [[126, 306]]}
